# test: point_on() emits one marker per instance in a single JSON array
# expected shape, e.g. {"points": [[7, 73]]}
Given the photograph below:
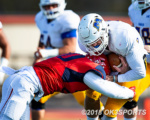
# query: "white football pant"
{"points": [[17, 92]]}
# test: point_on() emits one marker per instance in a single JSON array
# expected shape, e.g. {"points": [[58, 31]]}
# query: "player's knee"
{"points": [[37, 105], [130, 105], [93, 94]]}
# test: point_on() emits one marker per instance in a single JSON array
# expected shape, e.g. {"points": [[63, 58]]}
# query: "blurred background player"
{"points": [[138, 12], [95, 34], [58, 28], [5, 55]]}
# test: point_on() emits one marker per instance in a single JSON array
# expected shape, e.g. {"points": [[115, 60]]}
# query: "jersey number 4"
{"points": [[48, 41]]}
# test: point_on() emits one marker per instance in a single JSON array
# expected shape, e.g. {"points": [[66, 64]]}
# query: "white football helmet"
{"points": [[92, 28], [54, 13], [143, 4]]}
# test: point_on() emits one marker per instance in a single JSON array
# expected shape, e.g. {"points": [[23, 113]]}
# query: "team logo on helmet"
{"points": [[96, 23]]}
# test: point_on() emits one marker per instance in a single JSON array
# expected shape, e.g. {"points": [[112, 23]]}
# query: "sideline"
{"points": [[29, 19]]}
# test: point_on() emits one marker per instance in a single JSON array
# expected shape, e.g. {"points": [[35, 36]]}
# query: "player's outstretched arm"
{"points": [[107, 88]]}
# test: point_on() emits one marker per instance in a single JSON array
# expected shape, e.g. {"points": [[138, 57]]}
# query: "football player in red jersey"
{"points": [[67, 73]]}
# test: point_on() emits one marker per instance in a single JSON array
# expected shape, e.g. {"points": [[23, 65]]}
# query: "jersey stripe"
{"points": [[72, 76], [69, 34], [70, 58]]}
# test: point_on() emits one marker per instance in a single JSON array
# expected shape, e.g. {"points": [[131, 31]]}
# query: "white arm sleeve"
{"points": [[4, 61], [107, 88], [137, 66], [49, 52]]}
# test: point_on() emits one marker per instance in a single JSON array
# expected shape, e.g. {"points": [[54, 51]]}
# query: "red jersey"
{"points": [[65, 73]]}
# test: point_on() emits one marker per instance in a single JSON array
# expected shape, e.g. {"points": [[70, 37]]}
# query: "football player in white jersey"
{"points": [[139, 13], [58, 28], [5, 46], [97, 36]]}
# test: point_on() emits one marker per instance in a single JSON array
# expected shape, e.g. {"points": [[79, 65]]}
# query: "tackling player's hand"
{"points": [[109, 78], [124, 68], [112, 78], [133, 89]]}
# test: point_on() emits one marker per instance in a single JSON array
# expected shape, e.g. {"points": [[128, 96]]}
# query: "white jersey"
{"points": [[141, 22], [126, 41], [51, 32], [1, 25]]}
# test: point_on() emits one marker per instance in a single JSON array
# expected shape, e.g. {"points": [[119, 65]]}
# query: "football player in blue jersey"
{"points": [[58, 29]]}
